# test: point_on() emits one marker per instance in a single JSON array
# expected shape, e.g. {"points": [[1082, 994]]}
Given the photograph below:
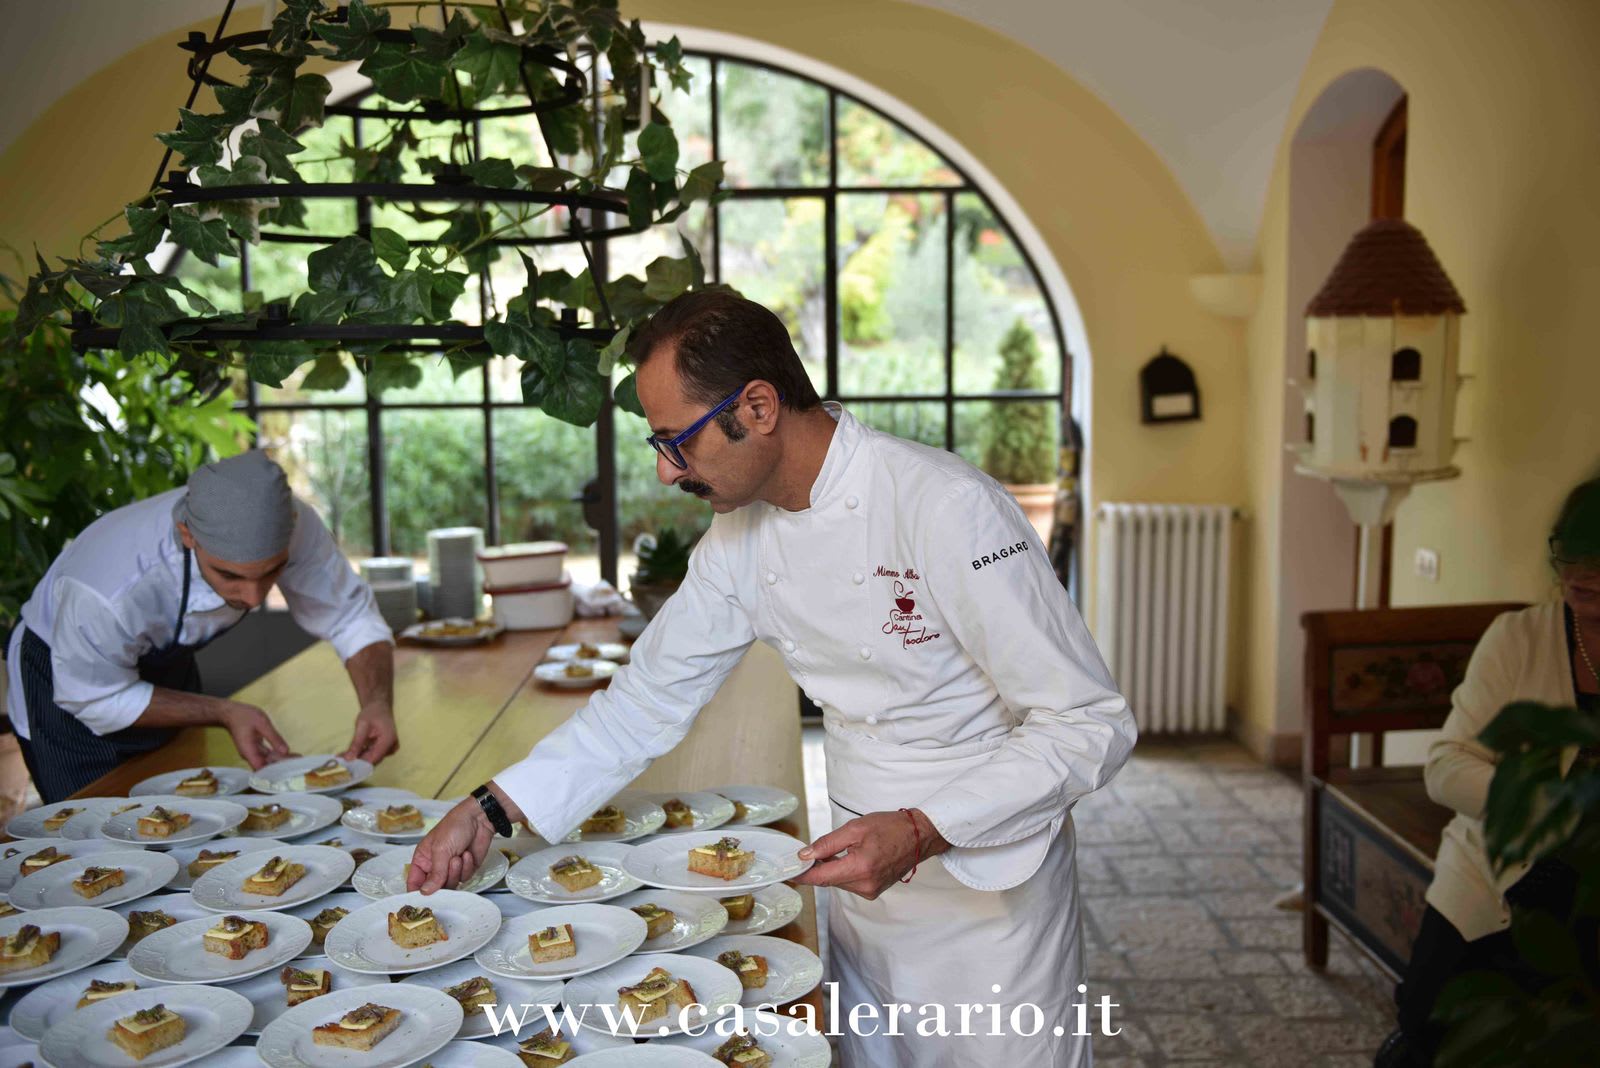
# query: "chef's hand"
{"points": [[257, 740], [451, 851], [375, 735], [879, 849]]}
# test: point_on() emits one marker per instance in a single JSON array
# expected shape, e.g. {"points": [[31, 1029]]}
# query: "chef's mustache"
{"points": [[699, 489]]}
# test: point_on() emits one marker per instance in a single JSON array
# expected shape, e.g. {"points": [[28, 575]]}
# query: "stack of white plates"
{"points": [[455, 579], [394, 588], [386, 568]]}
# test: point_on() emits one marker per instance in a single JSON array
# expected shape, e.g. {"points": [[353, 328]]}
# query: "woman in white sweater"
{"points": [[1548, 654]]}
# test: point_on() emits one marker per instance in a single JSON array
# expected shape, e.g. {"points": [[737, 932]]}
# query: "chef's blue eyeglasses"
{"points": [[668, 447]]}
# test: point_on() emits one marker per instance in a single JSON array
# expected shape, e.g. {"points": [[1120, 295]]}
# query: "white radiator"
{"points": [[1162, 611]]}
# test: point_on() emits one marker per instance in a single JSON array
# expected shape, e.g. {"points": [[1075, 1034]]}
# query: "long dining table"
{"points": [[464, 713]]}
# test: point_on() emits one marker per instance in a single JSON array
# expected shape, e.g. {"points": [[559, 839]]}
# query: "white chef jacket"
{"points": [[912, 601], [113, 594]]}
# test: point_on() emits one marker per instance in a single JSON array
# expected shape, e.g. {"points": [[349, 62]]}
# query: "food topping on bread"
{"points": [[652, 988], [328, 767], [400, 812], [329, 917], [142, 923], [575, 670], [740, 1049], [100, 989], [160, 813], [410, 916], [205, 781], [545, 1044], [7, 909], [723, 848], [266, 811], [363, 1018], [571, 866], [473, 993], [92, 874], [229, 928], [271, 871], [147, 1019], [511, 855], [22, 942], [219, 856], [648, 911], [125, 808], [587, 651], [348, 803], [43, 859], [553, 936], [735, 961]]}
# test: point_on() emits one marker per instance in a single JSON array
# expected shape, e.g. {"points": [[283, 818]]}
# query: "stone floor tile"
{"points": [[1301, 996], [1194, 964], [1248, 962], [1265, 934], [1225, 872], [1189, 1037], [1157, 921], [1247, 904]]}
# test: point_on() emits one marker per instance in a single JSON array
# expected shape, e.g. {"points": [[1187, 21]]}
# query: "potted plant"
{"points": [[1018, 446], [663, 564]]}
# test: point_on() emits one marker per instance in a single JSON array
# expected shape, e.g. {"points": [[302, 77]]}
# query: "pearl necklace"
{"points": [[1583, 649]]}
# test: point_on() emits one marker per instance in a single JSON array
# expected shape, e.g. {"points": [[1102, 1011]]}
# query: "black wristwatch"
{"points": [[491, 808]]}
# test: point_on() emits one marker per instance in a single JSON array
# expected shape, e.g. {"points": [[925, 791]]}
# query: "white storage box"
{"points": [[540, 606], [528, 563]]}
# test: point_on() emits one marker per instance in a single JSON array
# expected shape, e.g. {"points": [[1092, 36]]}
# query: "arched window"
{"points": [[1405, 366], [907, 294], [1402, 432]]}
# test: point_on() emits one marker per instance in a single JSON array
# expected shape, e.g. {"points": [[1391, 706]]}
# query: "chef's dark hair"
{"points": [[723, 341]]}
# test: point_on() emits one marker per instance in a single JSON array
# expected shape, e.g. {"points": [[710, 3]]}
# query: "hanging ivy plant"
{"points": [[377, 277]]}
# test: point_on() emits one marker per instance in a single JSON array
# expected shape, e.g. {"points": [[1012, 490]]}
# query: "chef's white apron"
{"points": [[940, 941]]}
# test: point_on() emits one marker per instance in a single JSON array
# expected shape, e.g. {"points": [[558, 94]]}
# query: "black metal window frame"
{"points": [[605, 497]]}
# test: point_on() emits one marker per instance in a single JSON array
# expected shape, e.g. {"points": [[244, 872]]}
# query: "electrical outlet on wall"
{"points": [[1427, 565]]}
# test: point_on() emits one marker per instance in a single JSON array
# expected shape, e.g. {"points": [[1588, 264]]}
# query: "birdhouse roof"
{"points": [[1387, 269]]}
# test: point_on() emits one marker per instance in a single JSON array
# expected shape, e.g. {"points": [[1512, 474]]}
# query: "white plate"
{"points": [[308, 814], [604, 935], [365, 819], [361, 941], [289, 776], [234, 1057], [793, 971], [696, 917], [11, 865], [345, 899], [509, 993], [178, 954], [180, 907], [24, 1055], [143, 873], [212, 1018], [616, 652], [664, 862], [430, 1019], [85, 826], [418, 632], [189, 854], [268, 996], [376, 795], [30, 824], [472, 1055], [708, 809], [716, 989], [776, 1034], [530, 876], [88, 935], [775, 906], [763, 804], [229, 781], [207, 819], [385, 874], [584, 1040], [641, 816], [49, 1003], [521, 845], [552, 674], [222, 888]]}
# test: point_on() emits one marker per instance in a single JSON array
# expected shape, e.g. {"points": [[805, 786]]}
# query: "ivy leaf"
{"points": [[358, 37], [463, 362], [329, 372], [349, 268], [296, 102], [500, 173], [290, 26], [697, 267], [627, 395], [409, 295], [392, 371], [627, 298], [519, 336], [547, 179], [270, 362], [665, 278], [291, 212], [198, 138], [641, 199], [270, 144], [669, 54], [146, 227], [492, 66], [658, 150], [614, 350], [467, 227], [701, 182], [140, 311], [238, 102], [390, 247], [320, 307], [207, 240], [447, 289], [403, 74], [566, 383]]}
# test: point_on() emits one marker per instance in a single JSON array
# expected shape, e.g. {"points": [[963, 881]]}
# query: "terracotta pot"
{"points": [[649, 597], [1038, 501]]}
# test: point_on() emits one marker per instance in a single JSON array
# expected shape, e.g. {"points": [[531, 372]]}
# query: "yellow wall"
{"points": [[1501, 170]]}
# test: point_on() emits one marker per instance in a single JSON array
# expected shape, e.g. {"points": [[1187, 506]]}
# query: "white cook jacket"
{"points": [[113, 593]]}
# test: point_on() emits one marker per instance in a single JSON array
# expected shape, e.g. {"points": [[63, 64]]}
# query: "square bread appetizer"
{"points": [[362, 854], [679, 814], [607, 820], [202, 785], [751, 970], [37, 862], [657, 920], [739, 907], [161, 823], [275, 876], [101, 989], [28, 948], [553, 943], [143, 924], [324, 921], [58, 819], [474, 993], [329, 773], [300, 985], [147, 1031], [653, 996], [265, 817], [575, 873], [545, 1049], [234, 937], [8, 909], [412, 928], [93, 881], [209, 859], [398, 818], [348, 803], [721, 860], [742, 1051], [359, 1029]]}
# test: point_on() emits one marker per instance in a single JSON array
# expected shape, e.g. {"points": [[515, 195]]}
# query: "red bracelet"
{"points": [[917, 837]]}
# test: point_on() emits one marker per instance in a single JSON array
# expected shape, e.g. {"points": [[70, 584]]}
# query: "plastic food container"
{"points": [[529, 563], [539, 606]]}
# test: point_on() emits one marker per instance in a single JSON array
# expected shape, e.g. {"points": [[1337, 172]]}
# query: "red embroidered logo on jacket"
{"points": [[905, 620]]}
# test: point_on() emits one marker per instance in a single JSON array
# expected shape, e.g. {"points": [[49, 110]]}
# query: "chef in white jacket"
{"points": [[965, 705]]}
